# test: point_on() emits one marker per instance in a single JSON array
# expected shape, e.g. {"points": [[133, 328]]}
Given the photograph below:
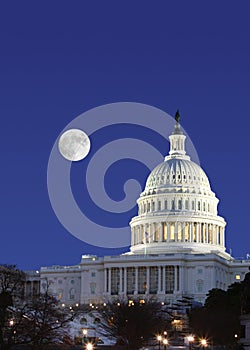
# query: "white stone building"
{"points": [[177, 243]]}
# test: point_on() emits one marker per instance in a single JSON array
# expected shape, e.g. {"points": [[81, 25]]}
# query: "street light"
{"points": [[165, 343], [190, 339], [203, 343], [89, 346], [84, 333], [159, 338]]}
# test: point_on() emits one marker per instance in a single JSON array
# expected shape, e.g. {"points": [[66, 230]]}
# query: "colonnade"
{"points": [[198, 232], [142, 280]]}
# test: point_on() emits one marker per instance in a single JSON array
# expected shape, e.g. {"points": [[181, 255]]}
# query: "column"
{"points": [[147, 280], [120, 281], [183, 231], [159, 280], [207, 235], [175, 279], [168, 231], [136, 280], [161, 232], [191, 232], [132, 237], [176, 231], [109, 280], [105, 280], [125, 281], [164, 279]]}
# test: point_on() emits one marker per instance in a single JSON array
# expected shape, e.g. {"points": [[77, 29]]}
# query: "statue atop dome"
{"points": [[177, 116]]}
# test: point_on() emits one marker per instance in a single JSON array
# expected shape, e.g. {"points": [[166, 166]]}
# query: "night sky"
{"points": [[60, 59]]}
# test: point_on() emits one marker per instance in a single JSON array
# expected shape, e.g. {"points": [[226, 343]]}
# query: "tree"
{"points": [[135, 323], [11, 294], [42, 321], [219, 318]]}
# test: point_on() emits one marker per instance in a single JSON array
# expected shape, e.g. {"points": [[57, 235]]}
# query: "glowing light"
{"points": [[159, 337], [89, 346]]}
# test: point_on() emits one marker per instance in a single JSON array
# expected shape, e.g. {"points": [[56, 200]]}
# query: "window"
{"points": [[186, 204], [153, 206], [153, 279], [199, 205], [204, 206], [237, 277], [115, 280], [173, 205], [72, 294], [83, 320], [142, 284], [72, 281], [169, 279], [179, 204], [192, 205], [159, 205], [130, 280], [92, 287], [59, 294], [200, 270], [92, 274], [166, 204], [199, 285]]}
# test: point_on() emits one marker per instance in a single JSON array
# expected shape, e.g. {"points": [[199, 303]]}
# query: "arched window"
{"points": [[153, 206], [159, 205], [59, 294], [173, 205], [83, 320], [72, 293], [179, 204], [199, 205], [166, 204], [199, 285]]}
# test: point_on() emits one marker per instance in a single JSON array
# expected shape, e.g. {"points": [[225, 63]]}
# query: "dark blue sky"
{"points": [[59, 59]]}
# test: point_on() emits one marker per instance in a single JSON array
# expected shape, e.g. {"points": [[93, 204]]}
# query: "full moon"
{"points": [[74, 145]]}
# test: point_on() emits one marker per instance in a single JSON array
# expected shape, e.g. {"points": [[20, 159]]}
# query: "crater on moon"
{"points": [[74, 145]]}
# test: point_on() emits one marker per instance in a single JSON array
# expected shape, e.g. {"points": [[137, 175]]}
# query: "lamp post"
{"points": [[84, 333], [190, 339], [159, 338]]}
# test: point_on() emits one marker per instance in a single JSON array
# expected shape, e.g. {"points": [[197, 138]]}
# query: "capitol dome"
{"points": [[174, 173], [177, 211]]}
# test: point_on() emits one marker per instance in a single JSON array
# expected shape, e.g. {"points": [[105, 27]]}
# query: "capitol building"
{"points": [[177, 243]]}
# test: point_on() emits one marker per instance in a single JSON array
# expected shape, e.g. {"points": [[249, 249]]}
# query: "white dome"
{"points": [[176, 173]]}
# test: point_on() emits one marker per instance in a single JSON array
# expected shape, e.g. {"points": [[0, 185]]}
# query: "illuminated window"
{"points": [[59, 294], [172, 231], [237, 277]]}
